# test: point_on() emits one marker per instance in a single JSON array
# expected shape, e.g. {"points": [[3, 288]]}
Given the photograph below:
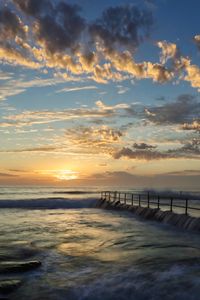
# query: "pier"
{"points": [[182, 211]]}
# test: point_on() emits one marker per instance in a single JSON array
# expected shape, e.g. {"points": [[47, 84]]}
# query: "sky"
{"points": [[100, 93]]}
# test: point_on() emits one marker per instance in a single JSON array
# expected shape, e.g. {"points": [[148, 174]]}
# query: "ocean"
{"points": [[88, 253]]}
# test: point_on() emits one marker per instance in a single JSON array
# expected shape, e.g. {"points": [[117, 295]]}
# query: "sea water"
{"points": [[92, 254]]}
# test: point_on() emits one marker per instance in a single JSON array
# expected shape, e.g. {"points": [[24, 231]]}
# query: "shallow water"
{"points": [[93, 254]]}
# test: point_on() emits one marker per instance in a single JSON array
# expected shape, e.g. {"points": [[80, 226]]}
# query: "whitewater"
{"points": [[91, 254]]}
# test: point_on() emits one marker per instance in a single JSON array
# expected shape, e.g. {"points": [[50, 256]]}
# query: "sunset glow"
{"points": [[66, 175], [112, 96]]}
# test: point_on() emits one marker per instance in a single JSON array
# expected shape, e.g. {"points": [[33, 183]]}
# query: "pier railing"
{"points": [[186, 204]]}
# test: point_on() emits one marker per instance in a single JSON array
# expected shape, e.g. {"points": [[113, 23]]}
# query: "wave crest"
{"points": [[49, 203]]}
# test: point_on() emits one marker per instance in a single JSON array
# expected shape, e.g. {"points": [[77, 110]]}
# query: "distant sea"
{"points": [[88, 253]]}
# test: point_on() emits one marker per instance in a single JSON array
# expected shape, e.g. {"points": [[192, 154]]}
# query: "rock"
{"points": [[15, 266], [8, 285], [17, 252]]}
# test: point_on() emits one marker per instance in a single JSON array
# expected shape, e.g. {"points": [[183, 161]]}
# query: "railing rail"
{"points": [[153, 200]]}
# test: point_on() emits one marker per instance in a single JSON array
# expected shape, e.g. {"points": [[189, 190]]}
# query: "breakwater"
{"points": [[125, 201]]}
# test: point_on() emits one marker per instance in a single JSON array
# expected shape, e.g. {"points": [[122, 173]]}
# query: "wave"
{"points": [[38, 192], [75, 192], [49, 203], [194, 195]]}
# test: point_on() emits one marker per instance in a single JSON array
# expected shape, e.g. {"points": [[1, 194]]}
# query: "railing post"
{"points": [[119, 197], [148, 198], [139, 199], [171, 204], [132, 199], [186, 207], [115, 196], [125, 198], [109, 196], [158, 202]]}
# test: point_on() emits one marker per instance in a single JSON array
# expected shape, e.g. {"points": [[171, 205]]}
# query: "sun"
{"points": [[60, 174], [66, 174]]}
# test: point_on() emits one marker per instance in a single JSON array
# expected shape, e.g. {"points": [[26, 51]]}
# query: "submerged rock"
{"points": [[15, 266], [17, 252], [8, 285]]}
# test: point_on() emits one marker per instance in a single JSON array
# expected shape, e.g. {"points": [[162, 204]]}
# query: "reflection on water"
{"points": [[92, 254]]}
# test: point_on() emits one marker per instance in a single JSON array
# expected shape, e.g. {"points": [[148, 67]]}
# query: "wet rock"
{"points": [[195, 224], [8, 285], [15, 266], [149, 213], [15, 252], [168, 216]]}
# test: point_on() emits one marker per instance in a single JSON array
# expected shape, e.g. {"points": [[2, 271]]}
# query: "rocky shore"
{"points": [[14, 263]]}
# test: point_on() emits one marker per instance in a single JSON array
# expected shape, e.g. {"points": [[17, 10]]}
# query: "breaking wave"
{"points": [[49, 203]]}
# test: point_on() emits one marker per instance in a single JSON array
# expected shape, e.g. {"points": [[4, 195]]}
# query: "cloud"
{"points": [[101, 135], [158, 72], [95, 139], [197, 41], [185, 109], [143, 146], [123, 178], [17, 170], [46, 35], [64, 27], [195, 125], [182, 68], [81, 88], [33, 7], [169, 51], [139, 154], [124, 62], [29, 118], [33, 149], [122, 89], [53, 37], [7, 91], [14, 56], [184, 173], [11, 86], [104, 73], [57, 27], [192, 74], [4, 76], [10, 26], [79, 140], [7, 175], [190, 149], [121, 26], [12, 29], [103, 165]]}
